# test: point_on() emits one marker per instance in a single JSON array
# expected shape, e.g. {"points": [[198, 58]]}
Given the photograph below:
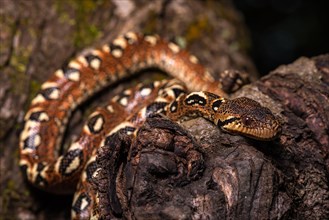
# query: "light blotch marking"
{"points": [[106, 48], [143, 112], [115, 98], [74, 76], [98, 124], [173, 47], [97, 53], [102, 142], [59, 73], [84, 175], [73, 165], [82, 60], [127, 92], [38, 99], [21, 147], [173, 108], [84, 204], [124, 101], [95, 64], [132, 37], [169, 92], [58, 163], [110, 108], [75, 145], [117, 53], [34, 172], [151, 39], [156, 83], [121, 42], [145, 92], [23, 162], [160, 99], [47, 85], [130, 132], [198, 94], [194, 59], [196, 99], [120, 126], [94, 126], [37, 140], [31, 124], [217, 103], [74, 64], [54, 94], [43, 117], [95, 174], [43, 173], [230, 117]]}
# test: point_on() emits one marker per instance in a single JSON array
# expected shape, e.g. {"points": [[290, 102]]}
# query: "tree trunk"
{"points": [[234, 177]]}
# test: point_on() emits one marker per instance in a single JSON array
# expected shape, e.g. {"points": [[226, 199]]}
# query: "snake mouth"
{"points": [[265, 133]]}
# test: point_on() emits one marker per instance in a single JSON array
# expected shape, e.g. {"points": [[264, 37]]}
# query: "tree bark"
{"points": [[239, 178], [232, 177]]}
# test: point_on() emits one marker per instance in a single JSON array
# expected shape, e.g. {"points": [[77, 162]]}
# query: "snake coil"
{"points": [[49, 111]]}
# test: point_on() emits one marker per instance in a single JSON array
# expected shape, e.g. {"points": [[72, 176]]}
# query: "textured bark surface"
{"points": [[239, 179], [232, 177]]}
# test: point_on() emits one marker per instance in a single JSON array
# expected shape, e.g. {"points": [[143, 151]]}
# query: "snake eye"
{"points": [[247, 121]]}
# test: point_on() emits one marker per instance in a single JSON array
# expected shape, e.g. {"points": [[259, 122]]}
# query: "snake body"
{"points": [[82, 77]]}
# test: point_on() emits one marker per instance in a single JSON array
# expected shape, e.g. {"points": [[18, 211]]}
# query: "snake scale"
{"points": [[85, 75]]}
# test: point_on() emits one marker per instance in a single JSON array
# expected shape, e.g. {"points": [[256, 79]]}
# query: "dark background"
{"points": [[283, 30]]}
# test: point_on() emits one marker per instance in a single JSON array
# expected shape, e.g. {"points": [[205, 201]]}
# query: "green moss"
{"points": [[225, 11], [65, 18], [18, 79], [34, 87], [7, 25], [197, 29], [9, 192], [85, 35], [10, 185], [18, 63], [79, 14], [86, 32], [151, 24]]}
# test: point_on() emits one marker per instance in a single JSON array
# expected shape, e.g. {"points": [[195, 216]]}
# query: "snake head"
{"points": [[247, 117]]}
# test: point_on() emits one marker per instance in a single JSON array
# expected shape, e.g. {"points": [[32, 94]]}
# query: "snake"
{"points": [[192, 92]]}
